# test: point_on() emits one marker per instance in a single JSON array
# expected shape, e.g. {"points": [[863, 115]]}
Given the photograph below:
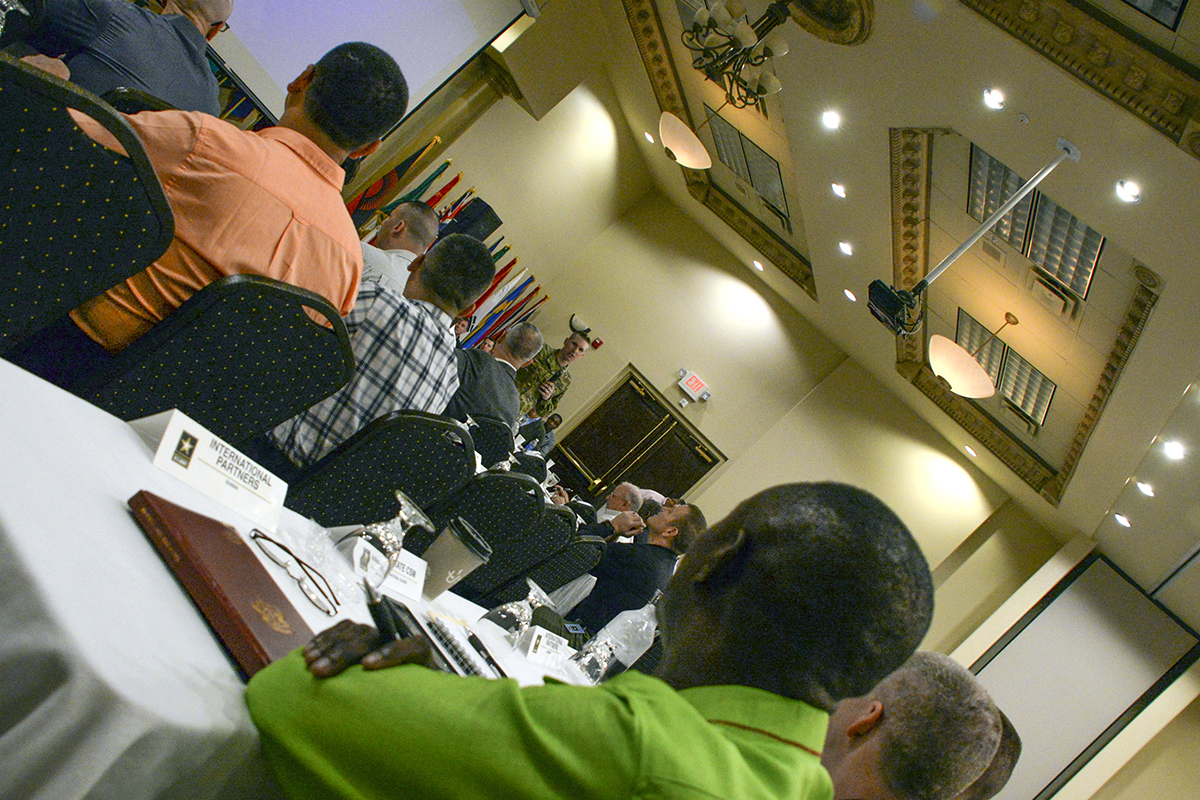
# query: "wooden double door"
{"points": [[633, 436]]}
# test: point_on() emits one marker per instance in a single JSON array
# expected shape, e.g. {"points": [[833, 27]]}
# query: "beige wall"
{"points": [[1167, 767]]}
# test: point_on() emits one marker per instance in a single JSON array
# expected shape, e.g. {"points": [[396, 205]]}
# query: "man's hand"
{"points": [[559, 496], [349, 643], [626, 523], [546, 390], [55, 66]]}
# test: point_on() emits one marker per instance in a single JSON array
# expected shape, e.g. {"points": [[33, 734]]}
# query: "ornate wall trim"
{"points": [[911, 150], [838, 21], [651, 40], [1148, 82]]}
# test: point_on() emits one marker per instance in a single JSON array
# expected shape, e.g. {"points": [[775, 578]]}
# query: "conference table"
{"points": [[113, 684]]}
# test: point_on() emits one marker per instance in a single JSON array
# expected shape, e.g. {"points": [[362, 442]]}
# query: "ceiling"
{"points": [[925, 65]]}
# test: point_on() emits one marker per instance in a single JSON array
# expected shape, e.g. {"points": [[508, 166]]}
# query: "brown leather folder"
{"points": [[233, 590]]}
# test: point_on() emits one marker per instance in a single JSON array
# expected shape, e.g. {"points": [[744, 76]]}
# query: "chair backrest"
{"points": [[134, 101], [531, 464], [426, 456], [493, 440], [584, 509], [499, 505], [513, 557], [580, 555], [75, 217], [240, 356]]}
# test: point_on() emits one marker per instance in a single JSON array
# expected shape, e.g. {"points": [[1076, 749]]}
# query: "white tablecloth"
{"points": [[113, 686]]}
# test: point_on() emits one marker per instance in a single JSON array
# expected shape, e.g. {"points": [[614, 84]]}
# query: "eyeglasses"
{"points": [[314, 585], [220, 27]]}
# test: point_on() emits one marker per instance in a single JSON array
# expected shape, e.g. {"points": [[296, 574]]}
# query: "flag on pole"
{"points": [[415, 193], [445, 190], [378, 193]]}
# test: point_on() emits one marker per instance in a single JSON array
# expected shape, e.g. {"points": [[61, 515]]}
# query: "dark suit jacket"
{"points": [[626, 578], [487, 387]]}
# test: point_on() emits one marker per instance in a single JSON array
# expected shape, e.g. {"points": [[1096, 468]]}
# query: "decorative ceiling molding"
{"points": [[911, 152], [1147, 81], [651, 40], [838, 21]]}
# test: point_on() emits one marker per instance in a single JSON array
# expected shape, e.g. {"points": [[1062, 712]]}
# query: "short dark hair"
{"points": [[941, 728], [994, 778], [422, 221], [457, 269], [826, 595], [357, 94], [689, 527], [649, 508]]}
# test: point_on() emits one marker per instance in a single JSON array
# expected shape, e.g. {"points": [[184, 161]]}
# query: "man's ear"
{"points": [[416, 263], [866, 721], [303, 80], [720, 559], [366, 149]]}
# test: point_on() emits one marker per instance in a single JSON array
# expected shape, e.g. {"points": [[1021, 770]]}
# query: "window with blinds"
{"points": [[1019, 382], [749, 162], [1062, 248]]}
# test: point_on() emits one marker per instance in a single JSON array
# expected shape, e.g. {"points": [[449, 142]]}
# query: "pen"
{"points": [[383, 620], [483, 651]]}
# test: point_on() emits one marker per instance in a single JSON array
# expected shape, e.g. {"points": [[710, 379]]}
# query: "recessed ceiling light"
{"points": [[1145, 489], [850, 295], [838, 189], [758, 265], [1128, 191], [993, 99], [649, 138], [970, 450], [846, 248], [1122, 520], [831, 120], [1174, 450]]}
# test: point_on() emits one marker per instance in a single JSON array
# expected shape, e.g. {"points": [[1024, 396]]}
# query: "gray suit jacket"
{"points": [[487, 387]]}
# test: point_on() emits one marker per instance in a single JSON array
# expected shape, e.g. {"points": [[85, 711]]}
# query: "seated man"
{"points": [[755, 654], [265, 203], [487, 382], [926, 732], [111, 43], [403, 352], [623, 497], [629, 574], [539, 434], [405, 234]]}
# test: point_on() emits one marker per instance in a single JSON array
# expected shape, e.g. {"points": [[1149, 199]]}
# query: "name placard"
{"points": [[207, 463], [542, 647], [407, 578]]}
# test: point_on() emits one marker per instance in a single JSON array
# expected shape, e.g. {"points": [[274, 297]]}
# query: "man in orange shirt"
{"points": [[266, 203]]}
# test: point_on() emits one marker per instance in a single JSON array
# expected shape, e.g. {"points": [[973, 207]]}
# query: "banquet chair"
{"points": [[426, 456], [585, 510], [514, 556], [75, 217], [531, 464], [134, 101], [239, 357], [493, 440], [557, 569], [499, 505]]}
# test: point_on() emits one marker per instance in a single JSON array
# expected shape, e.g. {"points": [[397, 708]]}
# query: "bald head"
{"points": [[209, 16]]}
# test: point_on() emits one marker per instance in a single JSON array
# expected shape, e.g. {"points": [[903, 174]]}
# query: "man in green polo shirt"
{"points": [[805, 594]]}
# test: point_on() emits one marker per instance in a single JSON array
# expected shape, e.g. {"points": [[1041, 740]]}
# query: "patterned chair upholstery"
{"points": [[424, 455], [514, 556], [75, 217], [240, 356], [493, 440], [558, 569], [531, 464]]}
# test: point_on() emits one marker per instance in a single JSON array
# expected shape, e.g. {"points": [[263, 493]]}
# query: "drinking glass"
{"points": [[373, 550], [514, 616]]}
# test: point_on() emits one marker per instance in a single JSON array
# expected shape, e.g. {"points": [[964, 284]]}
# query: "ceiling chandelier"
{"points": [[733, 53]]}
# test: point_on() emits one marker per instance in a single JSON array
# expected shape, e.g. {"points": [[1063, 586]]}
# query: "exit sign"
{"points": [[694, 386]]}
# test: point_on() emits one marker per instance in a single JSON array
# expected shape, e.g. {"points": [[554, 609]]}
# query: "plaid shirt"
{"points": [[404, 360]]}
